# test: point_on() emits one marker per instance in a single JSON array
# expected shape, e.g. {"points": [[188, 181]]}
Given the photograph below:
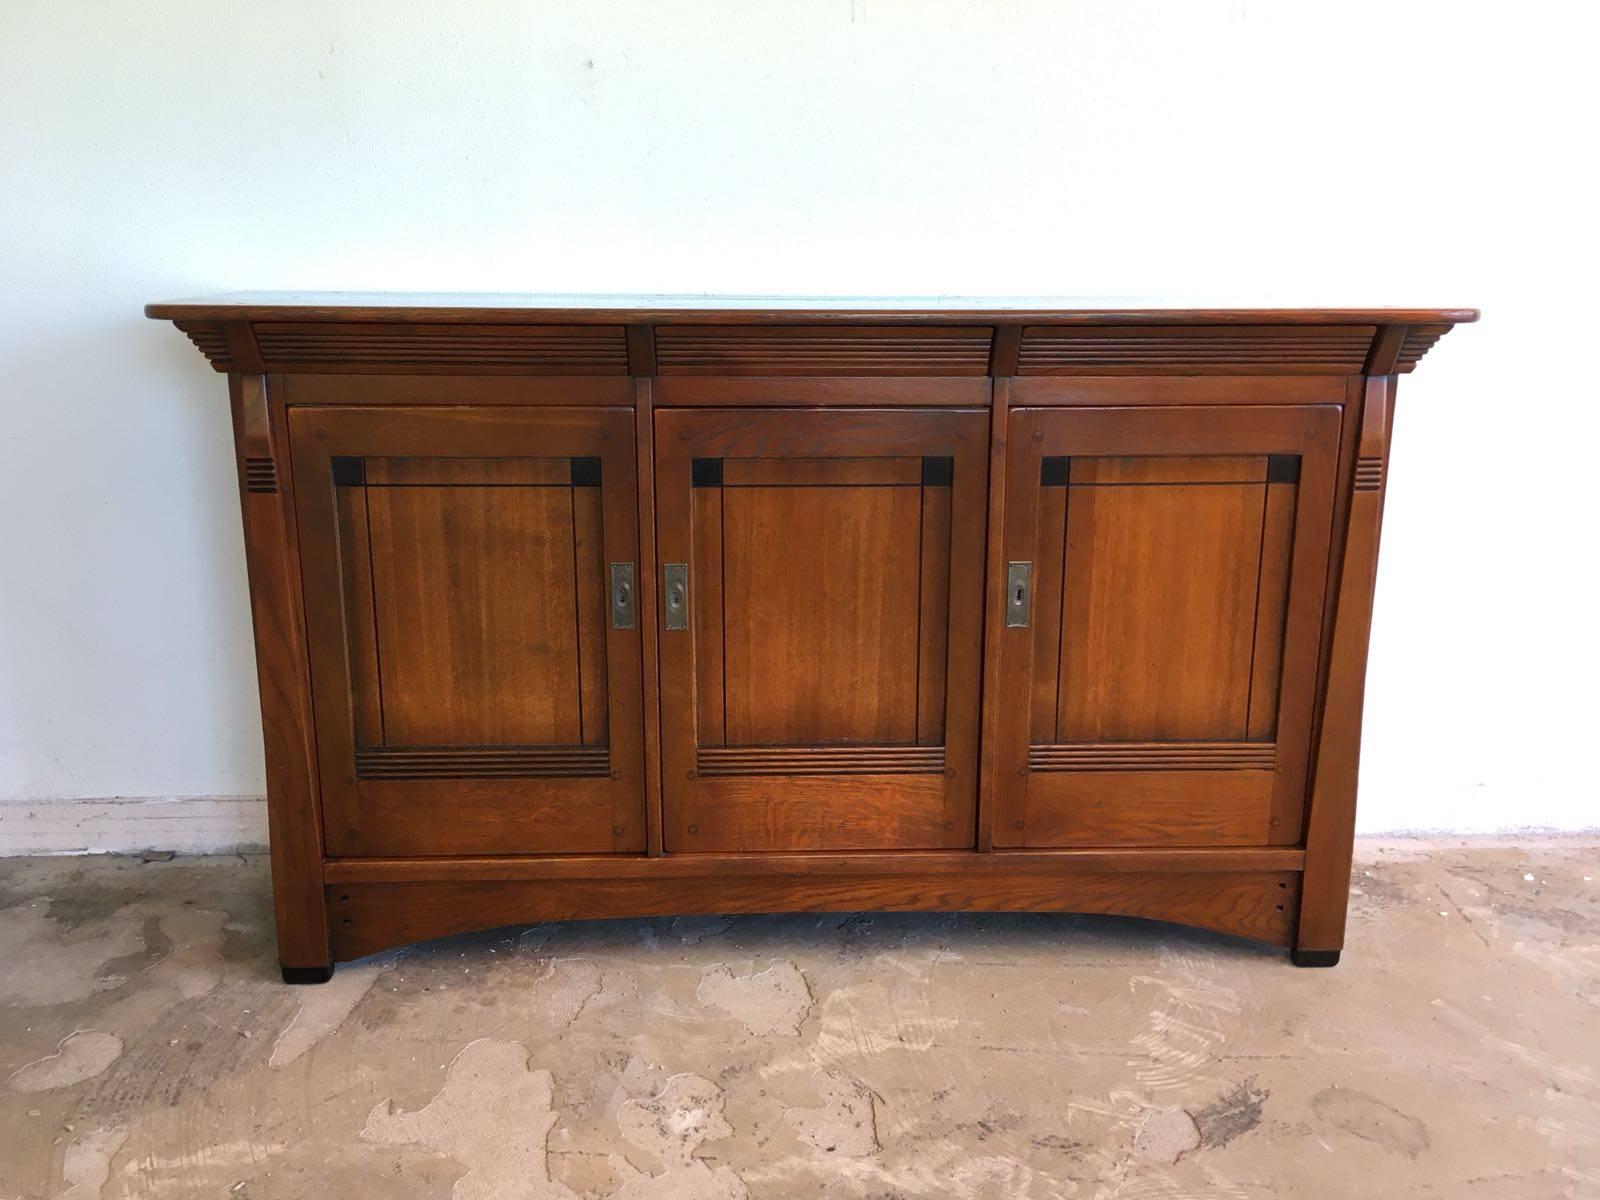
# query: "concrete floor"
{"points": [[148, 1050]]}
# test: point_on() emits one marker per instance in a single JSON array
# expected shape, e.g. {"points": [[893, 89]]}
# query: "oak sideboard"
{"points": [[574, 608]]}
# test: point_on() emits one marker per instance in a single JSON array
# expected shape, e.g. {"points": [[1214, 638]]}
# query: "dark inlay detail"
{"points": [[938, 471], [585, 472], [1283, 468], [1055, 471], [349, 472], [260, 475], [706, 472]]}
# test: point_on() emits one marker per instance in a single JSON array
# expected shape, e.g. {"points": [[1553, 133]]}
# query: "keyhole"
{"points": [[1016, 597]]}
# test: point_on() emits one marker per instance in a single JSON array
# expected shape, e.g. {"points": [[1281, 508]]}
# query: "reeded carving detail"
{"points": [[1419, 340], [209, 338], [820, 760], [535, 349], [1180, 349], [1369, 474], [1152, 756], [482, 762], [827, 350]]}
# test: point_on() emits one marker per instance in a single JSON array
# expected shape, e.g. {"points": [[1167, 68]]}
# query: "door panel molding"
{"points": [[461, 555], [1169, 667], [833, 645]]}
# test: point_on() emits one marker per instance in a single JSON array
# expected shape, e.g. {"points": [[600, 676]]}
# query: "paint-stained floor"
{"points": [[147, 1048]]}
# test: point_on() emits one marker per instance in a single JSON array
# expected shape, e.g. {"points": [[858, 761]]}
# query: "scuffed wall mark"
{"points": [[79, 1056], [846, 1123], [1371, 1120], [774, 1002], [671, 1126], [194, 963], [87, 1165], [326, 1006], [62, 966], [1164, 1135], [1233, 1114], [493, 1116]]}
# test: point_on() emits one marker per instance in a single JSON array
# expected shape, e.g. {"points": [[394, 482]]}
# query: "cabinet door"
{"points": [[1160, 636], [477, 685], [821, 627]]}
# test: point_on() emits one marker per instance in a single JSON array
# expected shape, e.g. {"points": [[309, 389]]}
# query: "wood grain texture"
{"points": [[1231, 350], [211, 339], [1166, 391], [1158, 611], [1049, 591], [820, 627], [387, 347], [1419, 340], [477, 603], [883, 391], [481, 762], [649, 604], [272, 554], [933, 614], [1179, 662], [510, 307], [475, 590], [993, 708], [1163, 860], [1330, 822], [368, 917], [403, 389], [801, 350], [1162, 805], [507, 334], [824, 524], [852, 515], [857, 759], [1171, 756], [1272, 603]]}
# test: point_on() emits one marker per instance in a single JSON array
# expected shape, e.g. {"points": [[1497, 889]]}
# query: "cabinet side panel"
{"points": [[271, 554], [1330, 825]]}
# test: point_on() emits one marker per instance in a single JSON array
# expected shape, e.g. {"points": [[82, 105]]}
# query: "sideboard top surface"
{"points": [[536, 308]]}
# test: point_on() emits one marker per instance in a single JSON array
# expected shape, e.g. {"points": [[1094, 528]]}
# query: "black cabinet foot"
{"points": [[1314, 958], [308, 974]]}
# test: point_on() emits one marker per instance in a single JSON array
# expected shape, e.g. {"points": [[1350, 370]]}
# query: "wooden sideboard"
{"points": [[567, 608]]}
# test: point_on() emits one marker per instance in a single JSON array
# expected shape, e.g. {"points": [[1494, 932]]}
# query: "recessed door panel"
{"points": [[837, 635], [1177, 558], [472, 695], [820, 692]]}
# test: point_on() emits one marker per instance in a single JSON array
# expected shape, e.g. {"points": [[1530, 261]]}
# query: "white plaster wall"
{"points": [[1362, 151]]}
